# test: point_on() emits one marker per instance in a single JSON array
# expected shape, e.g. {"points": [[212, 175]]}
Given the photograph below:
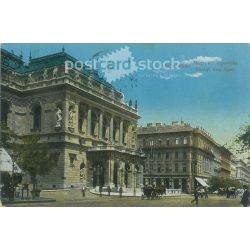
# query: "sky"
{"points": [[209, 89]]}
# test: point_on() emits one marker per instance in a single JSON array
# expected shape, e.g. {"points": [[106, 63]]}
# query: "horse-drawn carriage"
{"points": [[151, 192]]}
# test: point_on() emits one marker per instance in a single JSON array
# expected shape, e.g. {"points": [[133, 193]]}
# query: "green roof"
{"points": [[16, 63]]}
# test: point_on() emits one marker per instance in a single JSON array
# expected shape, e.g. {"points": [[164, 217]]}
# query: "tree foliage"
{"points": [[216, 182], [244, 137], [6, 136], [34, 157]]}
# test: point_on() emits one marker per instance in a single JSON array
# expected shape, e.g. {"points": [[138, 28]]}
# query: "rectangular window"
{"points": [[167, 156], [72, 159], [159, 168], [184, 168], [151, 155], [159, 155], [184, 155], [151, 168], [193, 155], [176, 167], [177, 141], [167, 168], [168, 142], [176, 155], [185, 140]]}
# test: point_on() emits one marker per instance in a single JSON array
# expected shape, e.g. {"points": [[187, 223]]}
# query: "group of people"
{"points": [[244, 199], [203, 193], [100, 191]]}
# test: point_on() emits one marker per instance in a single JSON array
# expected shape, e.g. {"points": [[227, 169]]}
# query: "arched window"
{"points": [[37, 112], [4, 113], [105, 128], [116, 131], [94, 124]]}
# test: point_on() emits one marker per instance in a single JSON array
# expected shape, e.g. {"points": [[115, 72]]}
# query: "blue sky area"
{"points": [[212, 91]]}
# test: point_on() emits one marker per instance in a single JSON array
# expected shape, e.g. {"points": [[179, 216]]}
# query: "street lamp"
{"points": [[12, 193], [151, 156], [121, 176], [135, 177]]}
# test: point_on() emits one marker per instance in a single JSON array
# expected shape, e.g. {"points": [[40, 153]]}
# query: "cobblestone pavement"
{"points": [[73, 198]]}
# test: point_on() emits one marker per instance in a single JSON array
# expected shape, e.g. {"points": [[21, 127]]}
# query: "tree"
{"points": [[244, 137], [6, 136], [217, 182], [34, 157]]}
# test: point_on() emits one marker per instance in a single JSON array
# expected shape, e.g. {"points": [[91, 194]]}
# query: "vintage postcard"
{"points": [[125, 125]]}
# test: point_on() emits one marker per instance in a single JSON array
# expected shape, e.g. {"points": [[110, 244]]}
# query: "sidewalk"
{"points": [[30, 200]]}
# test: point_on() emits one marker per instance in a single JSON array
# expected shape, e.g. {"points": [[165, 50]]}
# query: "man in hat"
{"points": [[245, 197]]}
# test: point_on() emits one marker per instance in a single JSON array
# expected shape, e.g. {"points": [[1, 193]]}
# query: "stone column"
{"points": [[101, 125], [107, 174], [121, 132], [132, 183], [111, 127], [141, 174], [89, 122], [111, 172]]}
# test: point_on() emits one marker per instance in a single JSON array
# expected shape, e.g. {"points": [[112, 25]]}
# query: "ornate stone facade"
{"points": [[90, 129]]}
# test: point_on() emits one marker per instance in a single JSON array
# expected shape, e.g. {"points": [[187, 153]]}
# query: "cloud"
{"points": [[196, 74], [202, 59]]}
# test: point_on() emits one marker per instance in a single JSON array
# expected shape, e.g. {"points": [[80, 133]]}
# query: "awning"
{"points": [[202, 182], [6, 163]]}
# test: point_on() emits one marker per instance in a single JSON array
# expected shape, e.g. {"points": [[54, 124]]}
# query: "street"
{"points": [[73, 198]]}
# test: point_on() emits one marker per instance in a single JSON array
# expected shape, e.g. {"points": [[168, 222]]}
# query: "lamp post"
{"points": [[151, 156], [135, 181], [101, 169], [12, 193], [121, 176]]}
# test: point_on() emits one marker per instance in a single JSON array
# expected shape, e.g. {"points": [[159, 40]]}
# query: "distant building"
{"points": [[90, 130], [233, 167], [179, 156], [242, 172]]}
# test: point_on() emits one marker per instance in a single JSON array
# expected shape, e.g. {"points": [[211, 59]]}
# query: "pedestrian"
{"points": [[83, 190], [108, 190], [227, 193], [245, 197], [202, 192], [234, 193], [100, 191], [206, 193], [196, 197], [120, 192]]}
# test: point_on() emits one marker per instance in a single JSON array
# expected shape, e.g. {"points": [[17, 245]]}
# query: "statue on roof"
{"points": [[45, 74], [55, 72], [77, 76], [30, 79], [136, 105], [13, 76]]}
